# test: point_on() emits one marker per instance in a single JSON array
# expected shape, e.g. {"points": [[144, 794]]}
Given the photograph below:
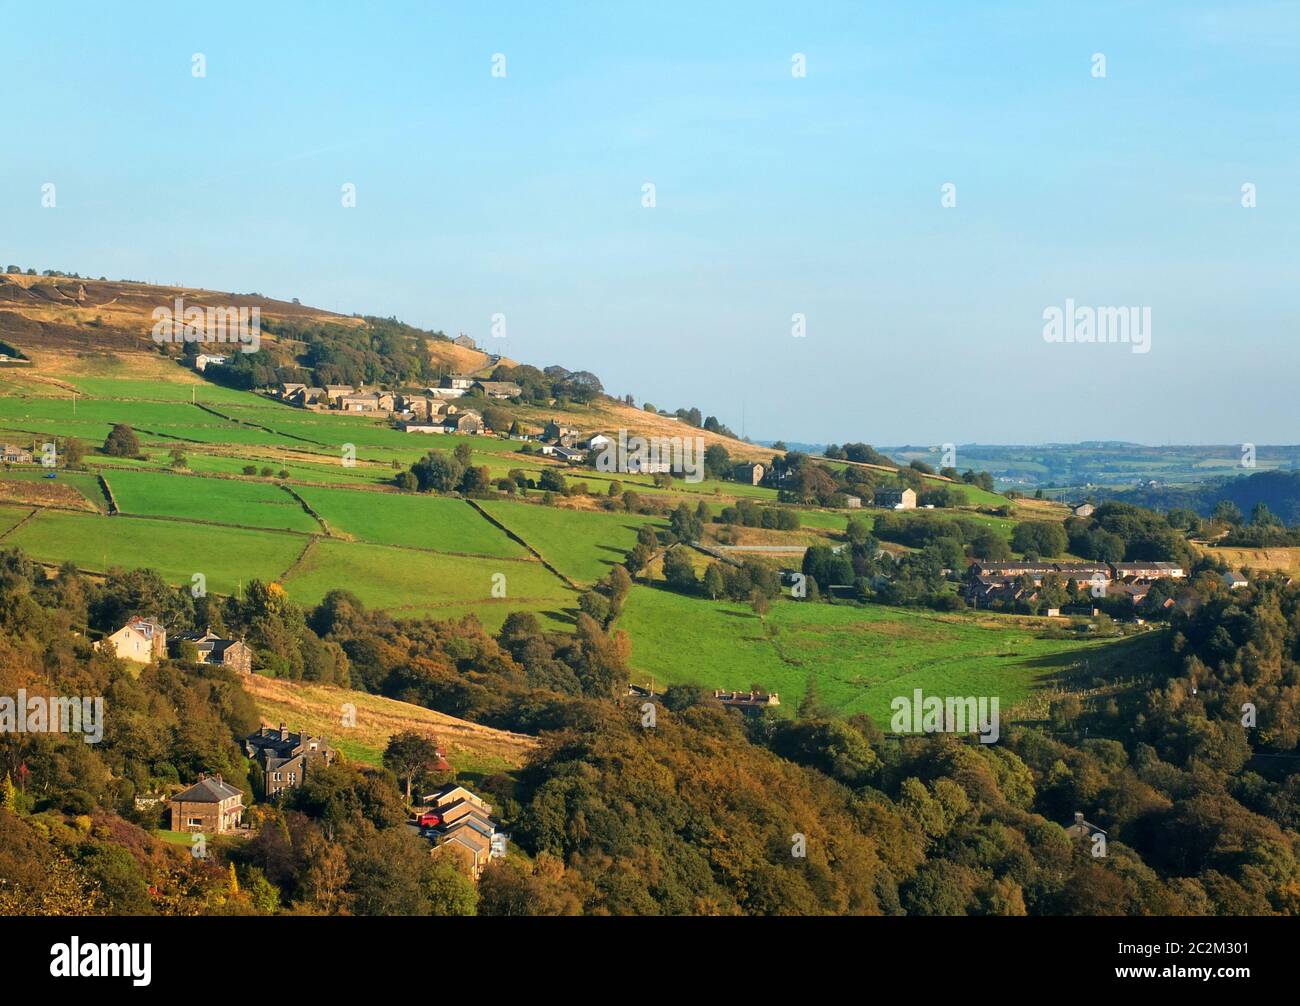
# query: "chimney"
{"points": [[1078, 817], [217, 777], [284, 732]]}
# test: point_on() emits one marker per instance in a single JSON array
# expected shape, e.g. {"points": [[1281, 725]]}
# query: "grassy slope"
{"points": [[227, 501], [860, 658], [470, 748]]}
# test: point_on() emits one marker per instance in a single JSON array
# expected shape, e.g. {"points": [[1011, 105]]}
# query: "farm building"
{"points": [[896, 499], [749, 472], [15, 455], [465, 342], [498, 389], [1082, 509]]}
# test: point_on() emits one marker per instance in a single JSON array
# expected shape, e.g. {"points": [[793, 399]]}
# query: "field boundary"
{"points": [[514, 537], [34, 512], [113, 508], [308, 507]]}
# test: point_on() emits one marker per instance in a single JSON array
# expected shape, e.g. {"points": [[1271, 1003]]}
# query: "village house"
{"points": [[212, 649], [140, 639], [749, 472], [364, 403], [285, 758], [15, 455], [210, 806], [1234, 581], [287, 388], [896, 499], [305, 397], [421, 426], [557, 432], [853, 502], [498, 389], [1146, 570], [469, 422], [461, 826], [457, 382]]}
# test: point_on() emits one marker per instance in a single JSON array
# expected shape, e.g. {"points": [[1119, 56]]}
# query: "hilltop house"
{"points": [[749, 472], [465, 342], [285, 758], [212, 649], [140, 639], [205, 360], [209, 806], [15, 455], [896, 499]]}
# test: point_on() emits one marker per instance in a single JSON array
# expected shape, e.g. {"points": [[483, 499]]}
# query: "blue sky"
{"points": [[775, 195]]}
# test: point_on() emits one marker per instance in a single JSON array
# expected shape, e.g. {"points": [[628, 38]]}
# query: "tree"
{"points": [[679, 570], [73, 452], [409, 755], [121, 442], [450, 892], [551, 480], [715, 583]]}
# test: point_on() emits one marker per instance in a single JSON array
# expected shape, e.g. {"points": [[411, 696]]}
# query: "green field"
{"points": [[227, 557], [405, 579], [224, 501], [581, 544], [439, 523], [859, 657]]}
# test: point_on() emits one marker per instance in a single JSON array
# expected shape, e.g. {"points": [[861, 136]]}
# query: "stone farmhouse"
{"points": [[14, 455], [212, 649], [210, 807], [748, 472], [285, 758]]}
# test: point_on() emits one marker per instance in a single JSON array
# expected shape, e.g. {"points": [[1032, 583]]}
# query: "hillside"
{"points": [[69, 327]]}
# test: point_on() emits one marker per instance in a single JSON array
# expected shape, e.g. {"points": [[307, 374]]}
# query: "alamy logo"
{"points": [[934, 714], [682, 456], [58, 714], [1131, 325], [226, 325], [75, 959]]}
